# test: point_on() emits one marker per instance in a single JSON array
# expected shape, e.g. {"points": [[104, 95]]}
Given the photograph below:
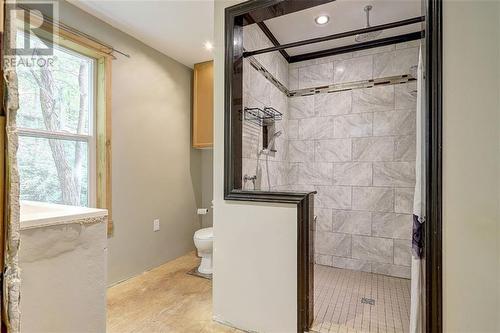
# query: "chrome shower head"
{"points": [[273, 139], [368, 35], [270, 143]]}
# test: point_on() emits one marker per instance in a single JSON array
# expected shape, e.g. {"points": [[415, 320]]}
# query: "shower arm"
{"points": [[368, 9]]}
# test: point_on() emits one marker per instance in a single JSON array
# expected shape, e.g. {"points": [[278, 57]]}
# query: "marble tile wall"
{"points": [[259, 92], [357, 150], [361, 65]]}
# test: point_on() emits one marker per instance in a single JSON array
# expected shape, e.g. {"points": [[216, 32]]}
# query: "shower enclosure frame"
{"points": [[256, 11]]}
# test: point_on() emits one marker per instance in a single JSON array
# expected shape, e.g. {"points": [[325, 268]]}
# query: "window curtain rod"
{"points": [[77, 32], [391, 25]]}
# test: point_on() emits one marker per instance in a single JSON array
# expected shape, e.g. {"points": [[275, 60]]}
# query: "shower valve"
{"points": [[252, 178]]}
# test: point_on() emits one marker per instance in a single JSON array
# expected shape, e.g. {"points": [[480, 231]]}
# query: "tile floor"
{"points": [[338, 305], [165, 299]]}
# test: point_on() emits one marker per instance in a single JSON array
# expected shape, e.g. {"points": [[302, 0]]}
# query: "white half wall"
{"points": [[255, 261], [255, 255], [471, 166]]}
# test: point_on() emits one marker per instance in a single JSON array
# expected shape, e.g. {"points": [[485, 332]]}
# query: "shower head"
{"points": [[368, 35], [270, 143], [273, 139]]}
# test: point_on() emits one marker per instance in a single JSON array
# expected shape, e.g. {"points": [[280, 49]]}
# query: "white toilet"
{"points": [[203, 240]]}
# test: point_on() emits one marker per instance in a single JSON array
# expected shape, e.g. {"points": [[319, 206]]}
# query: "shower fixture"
{"points": [[269, 145], [367, 36], [273, 138], [247, 178], [266, 151]]}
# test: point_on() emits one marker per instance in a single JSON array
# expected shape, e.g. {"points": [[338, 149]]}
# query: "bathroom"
{"points": [[270, 166]]}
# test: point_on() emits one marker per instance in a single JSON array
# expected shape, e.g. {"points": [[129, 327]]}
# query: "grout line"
{"points": [[338, 294]]}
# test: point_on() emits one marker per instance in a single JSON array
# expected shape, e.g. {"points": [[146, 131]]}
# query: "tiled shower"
{"points": [[355, 147]]}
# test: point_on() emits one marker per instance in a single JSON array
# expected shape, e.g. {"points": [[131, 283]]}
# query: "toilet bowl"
{"points": [[203, 240]]}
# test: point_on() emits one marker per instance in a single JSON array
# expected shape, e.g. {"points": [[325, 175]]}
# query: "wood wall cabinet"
{"points": [[203, 103]]}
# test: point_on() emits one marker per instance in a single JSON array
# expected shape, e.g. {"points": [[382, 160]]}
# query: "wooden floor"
{"points": [[338, 303], [166, 300]]}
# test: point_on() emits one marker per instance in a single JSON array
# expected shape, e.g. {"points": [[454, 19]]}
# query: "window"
{"points": [[64, 118], [56, 124]]}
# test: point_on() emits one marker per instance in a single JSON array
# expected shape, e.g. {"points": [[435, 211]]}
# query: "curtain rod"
{"points": [[82, 34], [337, 36], [63, 26]]}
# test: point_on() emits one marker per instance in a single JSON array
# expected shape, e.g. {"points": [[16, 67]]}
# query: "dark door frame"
{"points": [[255, 11], [433, 245]]}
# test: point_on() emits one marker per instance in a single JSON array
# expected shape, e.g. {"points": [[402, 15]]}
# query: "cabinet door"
{"points": [[203, 95]]}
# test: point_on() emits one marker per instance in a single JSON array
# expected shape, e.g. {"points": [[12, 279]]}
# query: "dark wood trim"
{"points": [[274, 8], [338, 50], [264, 196], [233, 98], [434, 146], [273, 39], [358, 47], [305, 263], [337, 36], [249, 20]]}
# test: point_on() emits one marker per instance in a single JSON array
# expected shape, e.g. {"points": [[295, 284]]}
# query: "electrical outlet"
{"points": [[156, 225]]}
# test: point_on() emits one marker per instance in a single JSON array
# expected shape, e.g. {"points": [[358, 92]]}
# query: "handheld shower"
{"points": [[273, 138], [266, 152], [270, 143]]}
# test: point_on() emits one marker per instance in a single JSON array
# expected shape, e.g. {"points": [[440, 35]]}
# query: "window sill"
{"points": [[35, 214]]}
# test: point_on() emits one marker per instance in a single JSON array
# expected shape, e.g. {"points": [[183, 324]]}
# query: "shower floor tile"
{"points": [[354, 301]]}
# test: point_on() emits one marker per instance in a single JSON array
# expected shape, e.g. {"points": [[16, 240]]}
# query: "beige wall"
{"points": [[255, 244], [156, 173], [471, 166], [207, 185]]}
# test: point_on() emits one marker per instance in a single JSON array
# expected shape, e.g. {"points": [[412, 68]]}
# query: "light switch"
{"points": [[156, 225]]}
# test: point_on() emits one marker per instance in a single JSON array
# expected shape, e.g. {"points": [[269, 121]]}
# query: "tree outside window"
{"points": [[56, 129]]}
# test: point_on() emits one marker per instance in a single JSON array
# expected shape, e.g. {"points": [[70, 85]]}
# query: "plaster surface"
{"points": [[63, 277]]}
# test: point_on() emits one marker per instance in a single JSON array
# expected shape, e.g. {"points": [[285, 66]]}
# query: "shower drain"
{"points": [[370, 301]]}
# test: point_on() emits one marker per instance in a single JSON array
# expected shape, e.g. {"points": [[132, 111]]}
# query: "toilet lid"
{"points": [[206, 233]]}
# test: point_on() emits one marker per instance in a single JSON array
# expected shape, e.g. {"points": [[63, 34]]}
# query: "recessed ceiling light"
{"points": [[208, 45], [322, 19]]}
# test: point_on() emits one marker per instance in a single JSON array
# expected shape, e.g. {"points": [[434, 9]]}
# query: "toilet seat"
{"points": [[204, 234]]}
